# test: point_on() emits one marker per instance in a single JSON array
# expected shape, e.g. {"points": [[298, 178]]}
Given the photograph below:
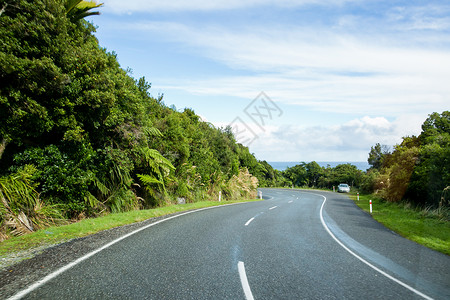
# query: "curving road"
{"points": [[294, 245]]}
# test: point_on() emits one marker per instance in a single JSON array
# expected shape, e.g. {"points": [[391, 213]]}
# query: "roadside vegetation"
{"points": [[429, 227]]}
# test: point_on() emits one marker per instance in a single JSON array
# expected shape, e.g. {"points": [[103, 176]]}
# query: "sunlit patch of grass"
{"points": [[428, 227]]}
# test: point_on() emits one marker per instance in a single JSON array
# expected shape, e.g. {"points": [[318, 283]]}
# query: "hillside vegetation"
{"points": [[79, 137]]}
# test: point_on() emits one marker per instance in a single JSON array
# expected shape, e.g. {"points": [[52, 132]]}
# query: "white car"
{"points": [[343, 188]]}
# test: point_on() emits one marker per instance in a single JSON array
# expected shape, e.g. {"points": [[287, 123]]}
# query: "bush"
{"points": [[369, 182], [60, 179]]}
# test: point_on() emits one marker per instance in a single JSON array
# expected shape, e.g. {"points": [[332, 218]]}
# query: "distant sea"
{"points": [[282, 165]]}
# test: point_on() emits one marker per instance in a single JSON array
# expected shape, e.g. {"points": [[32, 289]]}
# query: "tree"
{"points": [[377, 155], [399, 169], [431, 174], [297, 175], [347, 173], [314, 172]]}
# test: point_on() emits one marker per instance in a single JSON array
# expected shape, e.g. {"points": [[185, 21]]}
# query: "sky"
{"points": [[297, 80]]}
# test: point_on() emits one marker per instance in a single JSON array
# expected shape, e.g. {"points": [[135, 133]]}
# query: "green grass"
{"points": [[421, 226], [58, 234]]}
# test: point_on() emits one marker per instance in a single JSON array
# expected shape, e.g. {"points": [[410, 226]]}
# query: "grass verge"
{"points": [[419, 226], [59, 234]]}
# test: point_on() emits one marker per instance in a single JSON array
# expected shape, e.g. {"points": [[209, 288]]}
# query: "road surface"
{"points": [[293, 245]]}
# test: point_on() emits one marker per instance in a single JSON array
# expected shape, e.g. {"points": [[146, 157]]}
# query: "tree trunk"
{"points": [[3, 146], [2, 10]]}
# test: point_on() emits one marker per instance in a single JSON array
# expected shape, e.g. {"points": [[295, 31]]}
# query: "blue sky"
{"points": [[338, 76]]}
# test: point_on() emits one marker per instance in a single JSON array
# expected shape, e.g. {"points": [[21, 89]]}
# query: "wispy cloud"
{"points": [[318, 69], [119, 6], [426, 17]]}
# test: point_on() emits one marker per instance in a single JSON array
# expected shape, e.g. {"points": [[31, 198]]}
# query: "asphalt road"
{"points": [[294, 245]]}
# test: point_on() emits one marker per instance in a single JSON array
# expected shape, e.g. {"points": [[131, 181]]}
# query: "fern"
{"points": [[153, 131], [112, 193], [157, 163], [152, 185]]}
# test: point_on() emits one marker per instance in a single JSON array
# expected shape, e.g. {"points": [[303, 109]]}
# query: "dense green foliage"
{"points": [[314, 176], [87, 137]]}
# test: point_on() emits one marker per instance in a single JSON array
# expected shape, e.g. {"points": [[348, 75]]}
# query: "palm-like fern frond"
{"points": [[159, 170], [157, 163], [150, 182], [79, 9], [153, 131]]}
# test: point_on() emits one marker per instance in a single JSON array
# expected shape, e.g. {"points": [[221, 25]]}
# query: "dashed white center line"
{"points": [[244, 281], [249, 221], [290, 201], [273, 207]]}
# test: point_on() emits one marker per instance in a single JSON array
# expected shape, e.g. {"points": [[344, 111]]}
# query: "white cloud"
{"points": [[350, 141]]}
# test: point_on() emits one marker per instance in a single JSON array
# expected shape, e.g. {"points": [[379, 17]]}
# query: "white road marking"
{"points": [[249, 221], [273, 207], [290, 201], [50, 276], [363, 260], [244, 281]]}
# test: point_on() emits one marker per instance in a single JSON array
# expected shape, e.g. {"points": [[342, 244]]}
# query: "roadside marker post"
{"points": [[220, 195], [357, 196], [370, 205], [334, 189], [260, 195]]}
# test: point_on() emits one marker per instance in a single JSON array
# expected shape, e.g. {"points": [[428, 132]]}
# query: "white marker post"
{"points": [[370, 206], [334, 189], [260, 195], [220, 195], [357, 196]]}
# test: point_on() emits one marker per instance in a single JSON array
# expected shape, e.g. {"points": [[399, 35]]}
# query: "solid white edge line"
{"points": [[365, 261], [52, 275], [244, 281], [249, 221], [273, 207]]}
